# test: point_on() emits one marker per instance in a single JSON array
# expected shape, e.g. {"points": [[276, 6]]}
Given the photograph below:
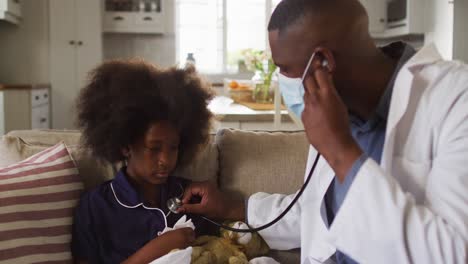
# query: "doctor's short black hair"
{"points": [[124, 97], [289, 12]]}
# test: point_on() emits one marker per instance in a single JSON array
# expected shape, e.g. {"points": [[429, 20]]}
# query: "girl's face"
{"points": [[154, 157]]}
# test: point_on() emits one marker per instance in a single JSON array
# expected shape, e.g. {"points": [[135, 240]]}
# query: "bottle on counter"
{"points": [[190, 60]]}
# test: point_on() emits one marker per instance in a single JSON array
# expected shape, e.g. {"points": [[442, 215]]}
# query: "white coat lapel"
{"points": [[398, 106], [321, 179], [323, 174], [400, 98]]}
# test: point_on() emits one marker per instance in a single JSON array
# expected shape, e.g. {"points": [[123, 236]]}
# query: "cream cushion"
{"points": [[28, 142], [8, 153], [272, 162], [91, 171], [204, 166]]}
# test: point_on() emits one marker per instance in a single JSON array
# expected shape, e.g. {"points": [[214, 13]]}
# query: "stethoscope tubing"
{"points": [[279, 217]]}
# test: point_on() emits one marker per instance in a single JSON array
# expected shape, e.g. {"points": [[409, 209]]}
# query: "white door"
{"points": [[377, 10], [89, 36], [76, 48], [62, 61]]}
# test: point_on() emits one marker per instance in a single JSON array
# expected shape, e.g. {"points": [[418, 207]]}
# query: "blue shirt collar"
{"points": [[397, 50], [129, 197]]}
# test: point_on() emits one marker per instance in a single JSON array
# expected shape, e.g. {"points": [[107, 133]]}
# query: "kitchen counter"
{"points": [[23, 86], [226, 110], [231, 115]]}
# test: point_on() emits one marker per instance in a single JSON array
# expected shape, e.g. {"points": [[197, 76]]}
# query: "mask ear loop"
{"points": [[308, 66]]}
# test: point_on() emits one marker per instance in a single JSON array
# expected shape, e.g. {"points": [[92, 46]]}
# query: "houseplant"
{"points": [[261, 63]]}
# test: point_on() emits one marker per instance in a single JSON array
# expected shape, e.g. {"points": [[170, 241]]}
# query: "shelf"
{"points": [[134, 16], [134, 22]]}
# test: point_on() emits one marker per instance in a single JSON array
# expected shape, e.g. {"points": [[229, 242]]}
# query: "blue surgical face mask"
{"points": [[293, 91]]}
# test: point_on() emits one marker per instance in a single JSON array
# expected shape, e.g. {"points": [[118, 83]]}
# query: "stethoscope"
{"points": [[175, 203]]}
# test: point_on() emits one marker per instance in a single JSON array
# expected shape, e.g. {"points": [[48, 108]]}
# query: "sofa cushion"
{"points": [[28, 142], [91, 171], [8, 153], [37, 198], [205, 165], [272, 162], [48, 137]]}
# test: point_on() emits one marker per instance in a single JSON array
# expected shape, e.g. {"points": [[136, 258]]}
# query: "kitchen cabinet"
{"points": [[377, 11], [396, 18], [139, 16], [24, 107], [406, 17], [75, 49], [10, 10]]}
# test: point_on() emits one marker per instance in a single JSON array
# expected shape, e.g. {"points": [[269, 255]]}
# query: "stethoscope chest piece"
{"points": [[174, 204]]}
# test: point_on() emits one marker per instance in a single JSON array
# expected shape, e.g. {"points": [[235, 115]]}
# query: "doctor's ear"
{"points": [[327, 59]]}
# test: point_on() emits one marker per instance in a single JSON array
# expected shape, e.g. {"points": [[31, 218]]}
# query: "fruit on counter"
{"points": [[233, 85]]}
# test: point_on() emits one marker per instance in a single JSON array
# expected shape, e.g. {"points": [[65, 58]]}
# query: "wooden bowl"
{"points": [[241, 95]]}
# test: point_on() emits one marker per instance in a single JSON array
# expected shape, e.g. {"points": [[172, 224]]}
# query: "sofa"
{"points": [[241, 162]]}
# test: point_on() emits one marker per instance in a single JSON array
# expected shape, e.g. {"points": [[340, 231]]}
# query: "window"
{"points": [[216, 31]]}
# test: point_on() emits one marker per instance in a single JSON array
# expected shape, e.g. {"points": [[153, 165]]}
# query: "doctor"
{"points": [[392, 128]]}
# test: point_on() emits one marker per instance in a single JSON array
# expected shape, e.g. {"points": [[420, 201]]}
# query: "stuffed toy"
{"points": [[230, 247]]}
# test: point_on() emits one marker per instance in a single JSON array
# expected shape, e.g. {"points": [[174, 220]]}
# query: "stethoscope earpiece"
{"points": [[325, 63]]}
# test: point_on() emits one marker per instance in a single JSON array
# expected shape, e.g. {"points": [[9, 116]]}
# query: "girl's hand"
{"points": [[163, 244], [179, 238]]}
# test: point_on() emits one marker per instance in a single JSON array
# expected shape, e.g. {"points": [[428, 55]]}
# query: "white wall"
{"points": [[448, 28], [460, 30], [440, 16], [158, 49], [24, 48]]}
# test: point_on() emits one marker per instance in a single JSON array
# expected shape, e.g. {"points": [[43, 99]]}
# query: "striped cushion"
{"points": [[37, 199]]}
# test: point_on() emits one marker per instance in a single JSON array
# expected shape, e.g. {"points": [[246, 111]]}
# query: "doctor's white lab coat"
{"points": [[413, 207]]}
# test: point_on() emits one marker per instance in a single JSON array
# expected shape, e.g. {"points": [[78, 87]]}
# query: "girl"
{"points": [[152, 119]]}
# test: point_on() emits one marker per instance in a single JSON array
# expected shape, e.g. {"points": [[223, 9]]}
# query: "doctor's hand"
{"points": [[326, 123], [213, 203]]}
